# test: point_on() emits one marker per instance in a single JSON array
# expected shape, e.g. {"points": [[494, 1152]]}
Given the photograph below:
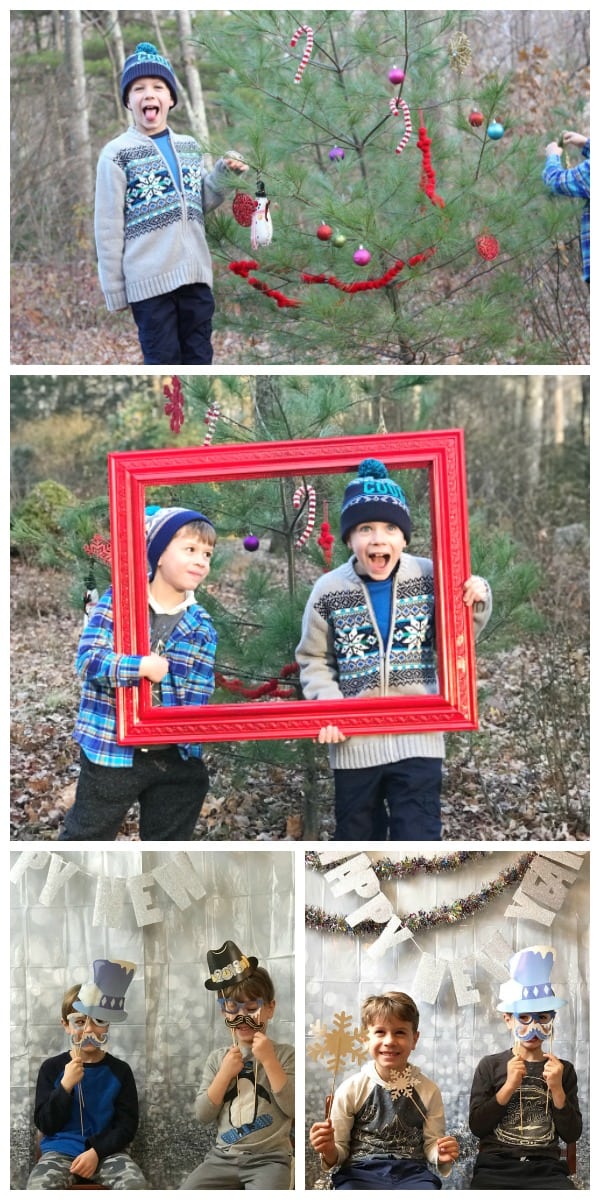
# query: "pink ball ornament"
{"points": [[396, 75], [336, 154], [361, 257], [251, 543]]}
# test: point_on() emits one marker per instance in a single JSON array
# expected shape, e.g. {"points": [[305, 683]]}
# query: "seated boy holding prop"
{"points": [[169, 782], [248, 1088], [386, 1127], [524, 1099], [368, 630], [86, 1103]]}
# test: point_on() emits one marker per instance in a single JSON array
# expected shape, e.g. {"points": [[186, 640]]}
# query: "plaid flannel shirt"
{"points": [[574, 181], [190, 649]]}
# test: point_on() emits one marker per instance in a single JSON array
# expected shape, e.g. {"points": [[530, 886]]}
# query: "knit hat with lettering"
{"points": [[146, 61], [373, 496]]}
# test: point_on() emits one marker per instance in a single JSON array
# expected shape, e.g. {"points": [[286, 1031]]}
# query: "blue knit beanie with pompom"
{"points": [[147, 62], [373, 496]]}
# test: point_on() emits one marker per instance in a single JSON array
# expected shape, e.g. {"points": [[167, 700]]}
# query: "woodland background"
{"points": [[523, 775], [529, 69]]}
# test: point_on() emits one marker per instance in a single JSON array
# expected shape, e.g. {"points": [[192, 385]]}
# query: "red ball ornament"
{"points": [[361, 257], [488, 246], [475, 118], [251, 543], [243, 207], [396, 75], [324, 232]]}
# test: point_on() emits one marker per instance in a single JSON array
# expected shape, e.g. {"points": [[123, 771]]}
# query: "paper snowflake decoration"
{"points": [[332, 1046], [459, 52], [402, 1083]]}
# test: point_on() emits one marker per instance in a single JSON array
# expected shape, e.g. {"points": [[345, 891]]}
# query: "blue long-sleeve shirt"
{"points": [[573, 181], [190, 649], [105, 1121]]}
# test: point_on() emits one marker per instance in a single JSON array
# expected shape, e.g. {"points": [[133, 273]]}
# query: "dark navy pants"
{"points": [[175, 329], [406, 794]]}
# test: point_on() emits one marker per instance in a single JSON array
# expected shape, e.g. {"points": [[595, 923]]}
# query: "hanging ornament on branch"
{"points": [[251, 543], [459, 52], [243, 206], [261, 226], [396, 75], [212, 415], [303, 29], [99, 548], [369, 284], [174, 408], [326, 539], [487, 246], [495, 130], [397, 106], [305, 495]]}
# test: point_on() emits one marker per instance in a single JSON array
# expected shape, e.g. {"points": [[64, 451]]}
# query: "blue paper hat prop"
{"points": [[373, 496], [529, 988], [228, 966], [104, 996]]}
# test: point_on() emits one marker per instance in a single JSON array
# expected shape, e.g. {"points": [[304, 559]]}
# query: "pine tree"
{"points": [[325, 149]]}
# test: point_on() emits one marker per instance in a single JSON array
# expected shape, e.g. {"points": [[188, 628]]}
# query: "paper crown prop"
{"points": [[529, 988], [104, 996], [228, 966]]}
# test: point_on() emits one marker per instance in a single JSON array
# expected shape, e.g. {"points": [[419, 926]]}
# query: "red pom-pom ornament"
{"points": [[475, 118], [324, 232], [396, 75], [361, 257], [243, 207], [488, 246]]}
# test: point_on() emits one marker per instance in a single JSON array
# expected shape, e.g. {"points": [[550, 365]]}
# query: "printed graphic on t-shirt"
{"points": [[387, 1126], [528, 1117]]}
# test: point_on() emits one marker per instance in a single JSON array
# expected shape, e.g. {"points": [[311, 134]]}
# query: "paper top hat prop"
{"points": [[228, 966], [104, 996], [529, 988]]}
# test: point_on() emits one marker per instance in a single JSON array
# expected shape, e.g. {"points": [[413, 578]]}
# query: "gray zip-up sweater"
{"points": [[341, 654], [150, 234]]}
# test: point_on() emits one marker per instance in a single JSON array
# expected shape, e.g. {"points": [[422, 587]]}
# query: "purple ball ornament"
{"points": [[396, 75], [336, 154], [361, 257], [495, 130], [251, 543]]}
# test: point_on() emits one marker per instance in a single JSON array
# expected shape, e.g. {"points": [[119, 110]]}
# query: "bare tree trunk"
{"points": [[80, 167], [116, 53], [559, 411], [194, 100], [533, 429]]}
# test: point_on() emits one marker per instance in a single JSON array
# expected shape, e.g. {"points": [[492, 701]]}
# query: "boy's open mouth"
{"points": [[150, 111], [379, 560]]}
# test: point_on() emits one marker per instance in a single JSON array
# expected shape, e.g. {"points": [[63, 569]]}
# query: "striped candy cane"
{"points": [[396, 105], [307, 53], [211, 418], [299, 497]]}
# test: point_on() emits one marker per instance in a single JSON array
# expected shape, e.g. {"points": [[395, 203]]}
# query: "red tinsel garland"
{"points": [[367, 285], [427, 181], [244, 267], [270, 688]]}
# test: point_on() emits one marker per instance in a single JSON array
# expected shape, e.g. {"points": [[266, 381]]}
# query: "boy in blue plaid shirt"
{"points": [[574, 181], [169, 782]]}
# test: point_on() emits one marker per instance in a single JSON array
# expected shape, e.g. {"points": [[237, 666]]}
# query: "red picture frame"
{"points": [[439, 452]]}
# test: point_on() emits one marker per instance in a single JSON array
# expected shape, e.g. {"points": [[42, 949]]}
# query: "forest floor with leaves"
{"points": [[58, 317], [523, 776]]}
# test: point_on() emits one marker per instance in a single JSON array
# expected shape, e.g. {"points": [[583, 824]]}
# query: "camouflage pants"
{"points": [[53, 1170]]}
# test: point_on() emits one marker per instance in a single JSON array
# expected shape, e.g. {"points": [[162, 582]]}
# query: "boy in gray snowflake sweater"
{"points": [[368, 630], [152, 193], [386, 1128]]}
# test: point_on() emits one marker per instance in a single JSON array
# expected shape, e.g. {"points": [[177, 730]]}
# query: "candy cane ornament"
{"points": [[301, 495], [307, 53], [397, 105], [212, 416]]}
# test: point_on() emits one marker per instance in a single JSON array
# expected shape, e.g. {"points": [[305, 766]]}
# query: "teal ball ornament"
{"points": [[495, 130]]}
